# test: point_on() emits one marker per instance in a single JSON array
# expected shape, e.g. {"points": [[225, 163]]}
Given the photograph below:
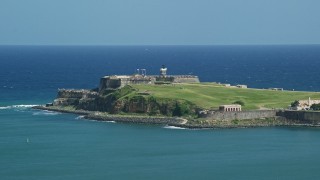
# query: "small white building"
{"points": [[305, 104], [231, 107], [242, 86], [276, 89]]}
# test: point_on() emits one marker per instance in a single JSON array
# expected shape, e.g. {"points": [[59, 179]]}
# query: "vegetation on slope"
{"points": [[210, 95], [131, 100]]}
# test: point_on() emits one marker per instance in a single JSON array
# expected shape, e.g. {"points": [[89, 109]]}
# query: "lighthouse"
{"points": [[163, 71]]}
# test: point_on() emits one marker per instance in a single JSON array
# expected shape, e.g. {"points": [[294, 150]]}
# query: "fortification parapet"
{"points": [[71, 96], [115, 82], [238, 115], [119, 81]]}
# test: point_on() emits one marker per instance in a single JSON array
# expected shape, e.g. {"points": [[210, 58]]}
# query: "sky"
{"points": [[159, 22]]}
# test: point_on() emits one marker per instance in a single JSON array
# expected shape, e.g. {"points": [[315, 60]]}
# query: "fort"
{"points": [[119, 81], [181, 100]]}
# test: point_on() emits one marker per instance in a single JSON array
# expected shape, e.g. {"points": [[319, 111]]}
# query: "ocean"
{"points": [[49, 145]]}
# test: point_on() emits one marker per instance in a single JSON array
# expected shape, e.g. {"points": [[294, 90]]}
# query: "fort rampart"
{"points": [[114, 82], [301, 117], [71, 96], [238, 115]]}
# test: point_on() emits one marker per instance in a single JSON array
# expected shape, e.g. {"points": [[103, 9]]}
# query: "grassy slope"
{"points": [[209, 95]]}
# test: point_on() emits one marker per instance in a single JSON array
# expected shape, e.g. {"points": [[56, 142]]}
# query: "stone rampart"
{"points": [[186, 79], [239, 115], [115, 82], [75, 93], [68, 97], [302, 117]]}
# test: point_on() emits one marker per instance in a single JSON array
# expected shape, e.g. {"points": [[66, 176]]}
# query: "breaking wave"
{"points": [[79, 117], [110, 121], [173, 127], [20, 106]]}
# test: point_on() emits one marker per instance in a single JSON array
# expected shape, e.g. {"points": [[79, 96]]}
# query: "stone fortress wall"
{"points": [[119, 81], [115, 82], [301, 117], [185, 79], [68, 97], [309, 118], [238, 115]]}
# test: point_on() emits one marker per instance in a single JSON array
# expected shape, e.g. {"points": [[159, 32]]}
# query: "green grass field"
{"points": [[210, 95]]}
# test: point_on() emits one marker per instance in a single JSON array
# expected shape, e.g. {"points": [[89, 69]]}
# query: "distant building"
{"points": [[276, 89], [231, 107], [242, 86], [115, 81], [163, 71], [305, 104]]}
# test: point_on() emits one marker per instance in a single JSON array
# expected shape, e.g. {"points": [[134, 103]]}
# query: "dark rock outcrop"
{"points": [[126, 100]]}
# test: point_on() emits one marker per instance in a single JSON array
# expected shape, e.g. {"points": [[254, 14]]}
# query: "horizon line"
{"points": [[311, 44]]}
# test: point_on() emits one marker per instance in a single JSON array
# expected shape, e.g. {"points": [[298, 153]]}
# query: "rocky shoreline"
{"points": [[130, 105], [179, 122], [99, 116], [57, 109]]}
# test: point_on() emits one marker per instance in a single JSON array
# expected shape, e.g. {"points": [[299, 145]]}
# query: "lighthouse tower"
{"points": [[163, 71]]}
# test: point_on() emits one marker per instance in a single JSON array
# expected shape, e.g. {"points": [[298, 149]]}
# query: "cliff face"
{"points": [[126, 100], [72, 97]]}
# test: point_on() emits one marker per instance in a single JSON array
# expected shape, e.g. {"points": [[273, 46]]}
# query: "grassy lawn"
{"points": [[210, 95]]}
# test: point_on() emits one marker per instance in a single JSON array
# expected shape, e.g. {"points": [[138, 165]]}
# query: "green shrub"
{"points": [[123, 91], [239, 102], [295, 103], [182, 109], [315, 107]]}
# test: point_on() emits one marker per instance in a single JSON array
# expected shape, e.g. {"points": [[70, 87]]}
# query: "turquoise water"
{"points": [[48, 145]]}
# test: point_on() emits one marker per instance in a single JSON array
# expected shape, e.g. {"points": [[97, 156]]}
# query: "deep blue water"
{"points": [[47, 145]]}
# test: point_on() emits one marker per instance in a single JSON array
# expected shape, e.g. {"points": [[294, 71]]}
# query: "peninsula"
{"points": [[184, 101]]}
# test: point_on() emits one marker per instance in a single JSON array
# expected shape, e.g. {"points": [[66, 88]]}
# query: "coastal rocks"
{"points": [[101, 103], [124, 100], [99, 116], [67, 97], [136, 119], [66, 102], [74, 93], [152, 106], [141, 104], [192, 124]]}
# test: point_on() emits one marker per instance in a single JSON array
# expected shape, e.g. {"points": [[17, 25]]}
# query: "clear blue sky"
{"points": [[159, 22]]}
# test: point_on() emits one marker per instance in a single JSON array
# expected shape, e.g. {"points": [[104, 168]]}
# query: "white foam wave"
{"points": [[173, 127], [45, 113], [24, 106], [19, 106], [101, 121], [79, 117], [110, 121]]}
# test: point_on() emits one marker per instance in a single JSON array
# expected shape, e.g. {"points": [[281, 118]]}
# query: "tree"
{"points": [[315, 107], [239, 102], [295, 103], [177, 110]]}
